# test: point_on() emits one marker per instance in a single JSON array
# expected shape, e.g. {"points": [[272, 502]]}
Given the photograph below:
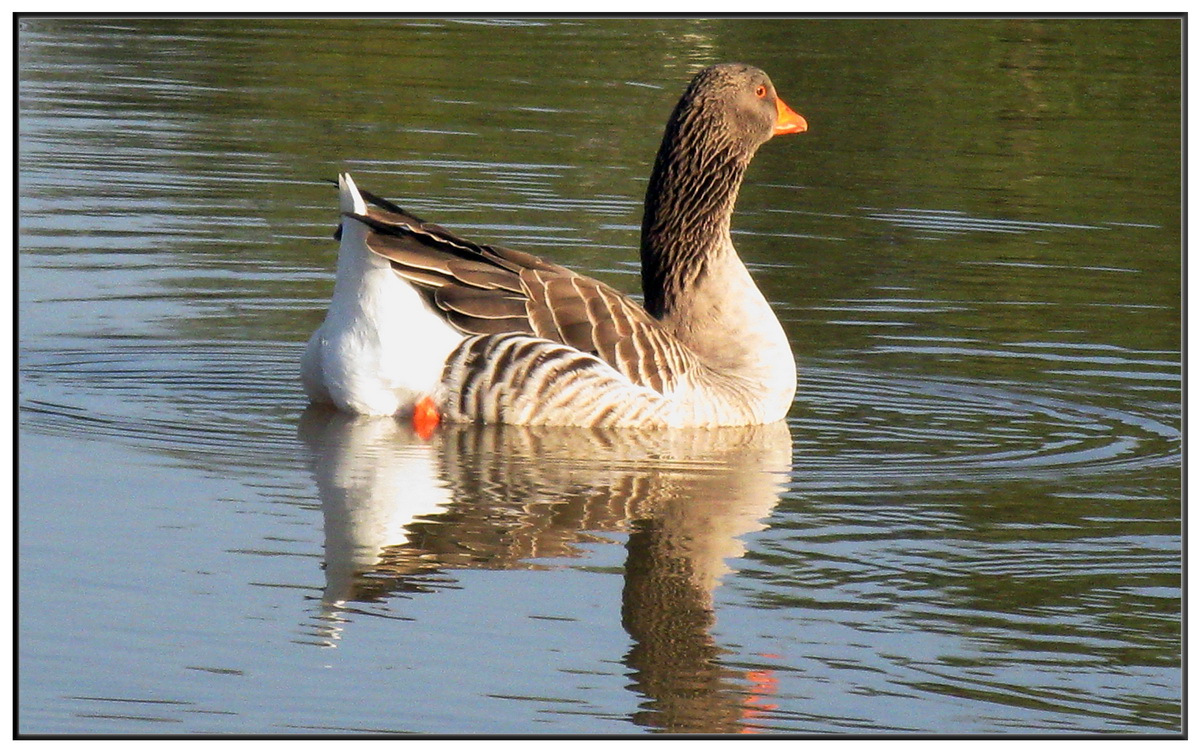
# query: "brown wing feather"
{"points": [[593, 317], [483, 290]]}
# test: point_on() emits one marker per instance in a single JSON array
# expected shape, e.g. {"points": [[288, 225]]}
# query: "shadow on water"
{"points": [[399, 512]]}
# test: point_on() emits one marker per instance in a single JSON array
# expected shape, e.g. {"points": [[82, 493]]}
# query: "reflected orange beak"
{"points": [[788, 120]]}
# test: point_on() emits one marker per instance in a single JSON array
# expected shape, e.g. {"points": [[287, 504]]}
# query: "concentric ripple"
{"points": [[861, 428], [229, 401], [851, 428]]}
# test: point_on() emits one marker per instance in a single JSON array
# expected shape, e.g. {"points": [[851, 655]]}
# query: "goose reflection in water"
{"points": [[399, 510]]}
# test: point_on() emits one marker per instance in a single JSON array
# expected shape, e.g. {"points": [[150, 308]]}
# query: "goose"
{"points": [[428, 324]]}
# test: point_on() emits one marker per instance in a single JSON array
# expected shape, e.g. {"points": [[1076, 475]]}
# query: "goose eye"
{"points": [[761, 91]]}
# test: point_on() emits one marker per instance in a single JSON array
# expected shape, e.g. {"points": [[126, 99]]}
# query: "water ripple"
{"points": [[951, 221], [853, 429], [958, 429]]}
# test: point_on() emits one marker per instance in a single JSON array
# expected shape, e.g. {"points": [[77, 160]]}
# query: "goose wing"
{"points": [[483, 289]]}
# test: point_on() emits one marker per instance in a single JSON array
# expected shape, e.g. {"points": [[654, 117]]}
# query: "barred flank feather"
{"points": [[518, 379]]}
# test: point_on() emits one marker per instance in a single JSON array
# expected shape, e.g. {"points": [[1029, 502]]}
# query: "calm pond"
{"points": [[970, 523]]}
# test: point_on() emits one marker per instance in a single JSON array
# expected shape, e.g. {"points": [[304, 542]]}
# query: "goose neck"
{"points": [[689, 204]]}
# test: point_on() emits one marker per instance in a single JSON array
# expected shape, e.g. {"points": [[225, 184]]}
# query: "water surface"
{"points": [[970, 522]]}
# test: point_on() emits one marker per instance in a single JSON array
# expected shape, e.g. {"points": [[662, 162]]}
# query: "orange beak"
{"points": [[788, 120]]}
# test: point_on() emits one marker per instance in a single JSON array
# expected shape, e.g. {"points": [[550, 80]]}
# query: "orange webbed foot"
{"points": [[426, 417]]}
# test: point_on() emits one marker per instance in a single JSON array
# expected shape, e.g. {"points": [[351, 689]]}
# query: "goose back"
{"points": [[491, 290]]}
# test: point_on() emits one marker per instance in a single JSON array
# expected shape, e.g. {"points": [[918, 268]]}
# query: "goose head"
{"points": [[737, 106]]}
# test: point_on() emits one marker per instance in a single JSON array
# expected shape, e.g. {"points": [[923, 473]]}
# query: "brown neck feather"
{"points": [[689, 201]]}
